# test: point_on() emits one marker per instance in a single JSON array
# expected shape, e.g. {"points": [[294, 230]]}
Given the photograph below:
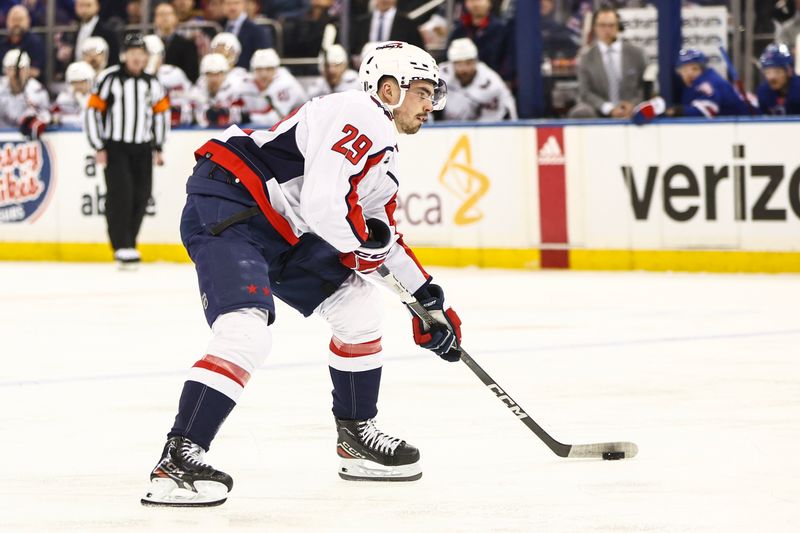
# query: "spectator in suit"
{"points": [[18, 24], [490, 35], [186, 11], [610, 73], [251, 36], [385, 23], [180, 52], [89, 25]]}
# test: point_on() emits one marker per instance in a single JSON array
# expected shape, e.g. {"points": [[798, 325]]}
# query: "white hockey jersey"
{"points": [[178, 89], [69, 107], [269, 106], [320, 85], [228, 97], [33, 100], [486, 99], [324, 169]]}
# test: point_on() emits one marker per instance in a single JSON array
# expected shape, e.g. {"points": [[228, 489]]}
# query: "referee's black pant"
{"points": [[129, 183]]}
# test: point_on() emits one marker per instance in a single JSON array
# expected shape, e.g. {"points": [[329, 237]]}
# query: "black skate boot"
{"points": [[369, 455], [181, 479]]}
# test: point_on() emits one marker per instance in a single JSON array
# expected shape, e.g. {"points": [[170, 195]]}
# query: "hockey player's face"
{"points": [[81, 87], [690, 72], [97, 61], [465, 70], [413, 113], [214, 81], [264, 76], [334, 73], [777, 78]]}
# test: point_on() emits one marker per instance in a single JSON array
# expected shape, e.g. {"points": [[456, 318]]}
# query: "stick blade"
{"points": [[596, 451]]}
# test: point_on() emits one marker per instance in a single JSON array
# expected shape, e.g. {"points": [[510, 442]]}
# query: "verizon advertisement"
{"points": [[700, 186]]}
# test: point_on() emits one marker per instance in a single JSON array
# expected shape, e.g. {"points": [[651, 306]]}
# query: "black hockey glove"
{"points": [[444, 337], [370, 255]]}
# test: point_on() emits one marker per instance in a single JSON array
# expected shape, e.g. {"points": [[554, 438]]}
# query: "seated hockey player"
{"points": [[70, 103], [175, 82], [779, 94], [706, 93], [94, 50], [217, 97], [24, 102], [305, 212], [474, 91], [273, 92], [335, 75], [229, 46]]}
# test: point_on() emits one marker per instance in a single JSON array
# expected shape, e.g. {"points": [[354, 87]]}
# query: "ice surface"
{"points": [[701, 371]]}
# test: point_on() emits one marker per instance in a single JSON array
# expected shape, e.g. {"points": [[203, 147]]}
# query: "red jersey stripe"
{"points": [[224, 367], [344, 349]]}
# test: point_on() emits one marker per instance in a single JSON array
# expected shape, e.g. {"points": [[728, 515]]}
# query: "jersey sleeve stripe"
{"points": [[355, 216], [230, 161]]}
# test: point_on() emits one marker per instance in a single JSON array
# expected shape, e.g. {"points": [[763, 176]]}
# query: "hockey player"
{"points": [[70, 103], [779, 94], [229, 46], [304, 212], [173, 79], [274, 92], [217, 97], [475, 91], [706, 93], [335, 76], [94, 51], [24, 102]]}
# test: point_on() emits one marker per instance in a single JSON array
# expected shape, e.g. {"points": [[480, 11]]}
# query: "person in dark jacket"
{"points": [[385, 23], [251, 36], [490, 35], [179, 51], [18, 24]]}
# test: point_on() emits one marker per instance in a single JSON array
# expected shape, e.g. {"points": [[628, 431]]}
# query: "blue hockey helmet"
{"points": [[777, 56], [691, 55]]}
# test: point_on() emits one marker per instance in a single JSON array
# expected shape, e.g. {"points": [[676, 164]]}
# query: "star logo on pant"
{"points": [[252, 289]]}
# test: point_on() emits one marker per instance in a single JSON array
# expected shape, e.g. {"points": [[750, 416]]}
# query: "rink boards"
{"points": [[697, 196]]}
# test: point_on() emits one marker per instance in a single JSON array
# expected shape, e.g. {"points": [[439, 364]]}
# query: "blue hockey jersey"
{"points": [[774, 103], [710, 96]]}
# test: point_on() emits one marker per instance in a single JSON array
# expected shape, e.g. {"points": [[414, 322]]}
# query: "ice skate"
{"points": [[367, 454], [182, 479], [127, 258]]}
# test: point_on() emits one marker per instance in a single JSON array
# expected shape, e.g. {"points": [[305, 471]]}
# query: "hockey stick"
{"points": [[604, 450]]}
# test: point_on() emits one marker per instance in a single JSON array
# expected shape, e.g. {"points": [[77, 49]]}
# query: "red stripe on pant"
{"points": [[344, 349], [230, 370]]}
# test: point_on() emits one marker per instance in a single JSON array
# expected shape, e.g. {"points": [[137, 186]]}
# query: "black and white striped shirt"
{"points": [[127, 109]]}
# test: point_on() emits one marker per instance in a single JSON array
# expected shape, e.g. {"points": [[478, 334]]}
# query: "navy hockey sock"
{"points": [[201, 412], [355, 394]]}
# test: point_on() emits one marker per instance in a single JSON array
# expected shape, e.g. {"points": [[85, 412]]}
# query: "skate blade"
{"points": [[164, 492], [127, 267], [364, 470]]}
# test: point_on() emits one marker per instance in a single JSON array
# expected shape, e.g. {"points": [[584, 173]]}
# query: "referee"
{"points": [[126, 121]]}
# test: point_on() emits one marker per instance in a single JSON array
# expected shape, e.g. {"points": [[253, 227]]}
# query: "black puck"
{"points": [[613, 456]]}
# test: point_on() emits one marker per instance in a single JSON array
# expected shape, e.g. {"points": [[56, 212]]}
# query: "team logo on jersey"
{"points": [[465, 181], [25, 180]]}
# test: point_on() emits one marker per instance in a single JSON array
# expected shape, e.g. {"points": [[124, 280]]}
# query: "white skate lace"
{"points": [[376, 439], [192, 453]]}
